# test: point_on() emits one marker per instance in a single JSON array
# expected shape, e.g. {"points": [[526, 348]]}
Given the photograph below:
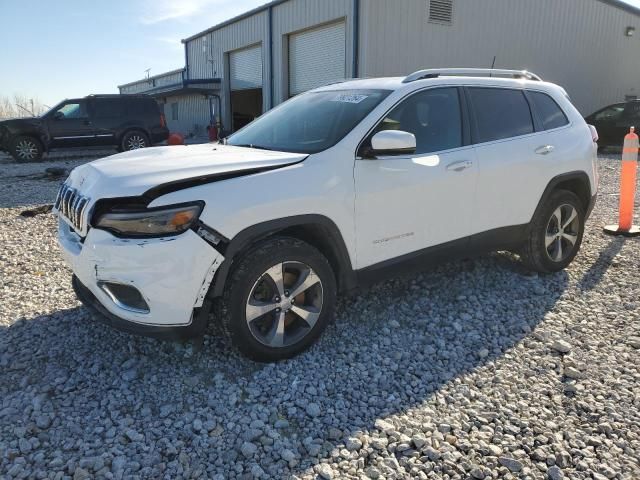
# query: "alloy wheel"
{"points": [[26, 149], [284, 304], [562, 232], [135, 142]]}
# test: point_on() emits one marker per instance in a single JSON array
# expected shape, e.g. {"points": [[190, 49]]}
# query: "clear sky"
{"points": [[56, 49]]}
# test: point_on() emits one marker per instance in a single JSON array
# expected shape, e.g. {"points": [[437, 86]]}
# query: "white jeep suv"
{"points": [[331, 189]]}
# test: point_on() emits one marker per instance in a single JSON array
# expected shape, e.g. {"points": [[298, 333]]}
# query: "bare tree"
{"points": [[20, 106]]}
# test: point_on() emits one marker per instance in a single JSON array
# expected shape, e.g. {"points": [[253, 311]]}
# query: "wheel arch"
{"points": [[577, 182], [316, 230], [132, 128]]}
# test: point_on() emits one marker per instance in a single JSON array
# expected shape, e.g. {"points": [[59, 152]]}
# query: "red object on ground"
{"points": [[213, 133], [175, 139]]}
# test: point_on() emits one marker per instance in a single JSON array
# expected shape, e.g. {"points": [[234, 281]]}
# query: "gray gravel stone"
{"points": [[511, 463], [325, 471], [554, 473], [313, 409], [561, 346], [249, 449]]}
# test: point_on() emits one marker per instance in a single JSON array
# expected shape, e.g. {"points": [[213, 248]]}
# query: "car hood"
{"points": [[159, 170], [21, 122]]}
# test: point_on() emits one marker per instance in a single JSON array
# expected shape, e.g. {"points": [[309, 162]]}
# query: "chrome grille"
{"points": [[72, 206]]}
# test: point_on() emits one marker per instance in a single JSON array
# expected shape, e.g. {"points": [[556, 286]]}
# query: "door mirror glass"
{"points": [[58, 115], [393, 142]]}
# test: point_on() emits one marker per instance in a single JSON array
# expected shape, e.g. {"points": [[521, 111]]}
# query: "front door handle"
{"points": [[545, 149], [459, 166], [87, 122]]}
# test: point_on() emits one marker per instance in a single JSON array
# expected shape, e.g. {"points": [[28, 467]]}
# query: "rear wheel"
{"points": [[556, 233], [26, 149], [279, 299], [134, 140]]}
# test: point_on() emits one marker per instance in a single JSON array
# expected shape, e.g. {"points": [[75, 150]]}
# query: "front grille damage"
{"points": [[71, 205]]}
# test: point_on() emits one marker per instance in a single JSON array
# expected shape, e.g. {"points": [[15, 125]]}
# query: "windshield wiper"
{"points": [[249, 145]]}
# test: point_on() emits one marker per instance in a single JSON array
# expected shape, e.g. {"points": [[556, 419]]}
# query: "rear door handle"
{"points": [[545, 149], [459, 166]]}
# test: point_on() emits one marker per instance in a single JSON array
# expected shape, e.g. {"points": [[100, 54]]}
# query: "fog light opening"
{"points": [[125, 296]]}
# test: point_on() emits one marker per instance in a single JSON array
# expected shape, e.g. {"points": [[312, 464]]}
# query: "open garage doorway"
{"points": [[246, 105], [245, 81]]}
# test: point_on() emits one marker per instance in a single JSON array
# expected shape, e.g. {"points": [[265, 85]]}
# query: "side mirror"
{"points": [[58, 115], [393, 142]]}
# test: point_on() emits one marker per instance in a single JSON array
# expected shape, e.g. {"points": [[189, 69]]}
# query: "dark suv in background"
{"points": [[127, 122], [613, 122]]}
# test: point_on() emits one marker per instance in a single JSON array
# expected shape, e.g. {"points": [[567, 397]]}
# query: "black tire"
{"points": [[248, 277], [539, 257], [133, 140], [26, 149]]}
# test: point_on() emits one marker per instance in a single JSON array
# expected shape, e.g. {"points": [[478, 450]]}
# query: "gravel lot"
{"points": [[475, 370]]}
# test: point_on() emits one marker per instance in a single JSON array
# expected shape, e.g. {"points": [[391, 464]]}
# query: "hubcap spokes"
{"points": [[562, 232], [26, 150], [284, 304], [136, 142]]}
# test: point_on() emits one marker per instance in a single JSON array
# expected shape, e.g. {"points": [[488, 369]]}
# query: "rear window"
{"points": [[548, 111], [500, 113], [108, 108], [632, 111]]}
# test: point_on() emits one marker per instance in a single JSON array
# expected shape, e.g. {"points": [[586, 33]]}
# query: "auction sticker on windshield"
{"points": [[349, 98]]}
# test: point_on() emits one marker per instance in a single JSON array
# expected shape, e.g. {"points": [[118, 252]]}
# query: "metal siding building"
{"points": [[579, 44], [188, 111], [261, 58]]}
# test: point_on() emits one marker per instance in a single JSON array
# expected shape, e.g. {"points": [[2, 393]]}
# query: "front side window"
{"points": [[72, 110], [311, 122], [549, 113], [500, 113], [433, 116]]}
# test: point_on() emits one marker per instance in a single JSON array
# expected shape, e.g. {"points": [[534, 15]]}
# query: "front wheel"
{"points": [[134, 140], [279, 299], [555, 233], [26, 149]]}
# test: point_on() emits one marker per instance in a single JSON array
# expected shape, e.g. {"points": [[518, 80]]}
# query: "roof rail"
{"points": [[474, 72]]}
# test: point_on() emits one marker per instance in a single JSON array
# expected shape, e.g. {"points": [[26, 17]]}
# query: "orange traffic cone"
{"points": [[175, 139], [627, 188]]}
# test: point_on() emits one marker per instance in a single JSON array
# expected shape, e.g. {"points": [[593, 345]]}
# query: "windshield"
{"points": [[309, 123], [52, 110]]}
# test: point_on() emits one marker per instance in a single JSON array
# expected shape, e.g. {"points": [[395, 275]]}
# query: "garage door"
{"points": [[316, 57], [245, 68]]}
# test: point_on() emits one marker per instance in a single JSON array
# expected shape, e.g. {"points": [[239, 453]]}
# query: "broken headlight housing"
{"points": [[151, 222]]}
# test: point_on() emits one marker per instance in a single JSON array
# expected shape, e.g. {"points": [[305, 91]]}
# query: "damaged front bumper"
{"points": [[171, 276]]}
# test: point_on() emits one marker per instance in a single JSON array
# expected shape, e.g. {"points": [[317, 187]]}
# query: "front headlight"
{"points": [[151, 222]]}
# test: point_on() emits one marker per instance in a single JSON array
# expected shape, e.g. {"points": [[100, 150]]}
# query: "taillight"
{"points": [[163, 121], [594, 134]]}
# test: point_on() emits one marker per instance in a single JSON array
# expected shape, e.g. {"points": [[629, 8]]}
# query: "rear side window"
{"points": [[108, 108], [632, 111], [548, 111], [500, 113]]}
